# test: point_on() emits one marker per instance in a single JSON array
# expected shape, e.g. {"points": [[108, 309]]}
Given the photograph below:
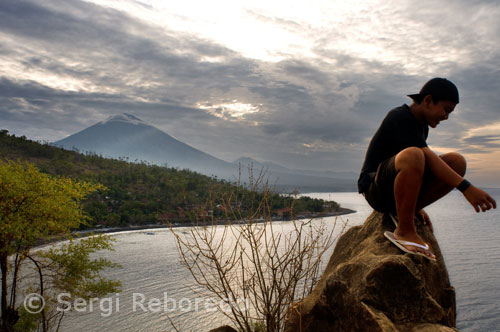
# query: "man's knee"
{"points": [[456, 161], [411, 158]]}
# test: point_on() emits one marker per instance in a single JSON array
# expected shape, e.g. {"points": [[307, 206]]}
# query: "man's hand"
{"points": [[425, 219], [479, 199]]}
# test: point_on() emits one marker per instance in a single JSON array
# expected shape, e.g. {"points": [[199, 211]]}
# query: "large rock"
{"points": [[370, 285], [224, 328]]}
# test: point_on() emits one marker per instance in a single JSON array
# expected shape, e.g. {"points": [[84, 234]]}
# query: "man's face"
{"points": [[435, 113]]}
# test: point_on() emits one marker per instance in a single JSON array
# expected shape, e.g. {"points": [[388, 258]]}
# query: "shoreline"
{"points": [[109, 230]]}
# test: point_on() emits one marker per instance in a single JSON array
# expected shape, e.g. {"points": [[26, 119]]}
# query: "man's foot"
{"points": [[412, 245]]}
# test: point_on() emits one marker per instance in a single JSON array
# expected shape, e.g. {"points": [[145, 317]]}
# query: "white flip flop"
{"points": [[401, 243]]}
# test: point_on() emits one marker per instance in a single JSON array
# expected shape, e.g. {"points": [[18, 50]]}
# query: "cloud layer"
{"points": [[302, 86]]}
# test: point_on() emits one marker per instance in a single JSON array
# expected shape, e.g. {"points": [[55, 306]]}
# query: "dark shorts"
{"points": [[380, 192]]}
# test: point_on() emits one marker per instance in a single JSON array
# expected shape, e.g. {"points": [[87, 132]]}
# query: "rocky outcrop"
{"points": [[224, 328], [370, 285]]}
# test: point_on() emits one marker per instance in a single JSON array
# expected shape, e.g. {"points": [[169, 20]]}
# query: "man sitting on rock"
{"points": [[401, 175]]}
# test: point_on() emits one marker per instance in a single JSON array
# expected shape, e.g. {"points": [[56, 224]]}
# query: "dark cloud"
{"points": [[32, 102], [484, 142], [474, 150], [479, 86], [109, 57]]}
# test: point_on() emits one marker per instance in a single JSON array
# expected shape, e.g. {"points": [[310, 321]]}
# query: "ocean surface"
{"points": [[157, 289]]}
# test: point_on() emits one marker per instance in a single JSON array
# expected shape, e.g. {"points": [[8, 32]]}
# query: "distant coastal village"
{"points": [[279, 216]]}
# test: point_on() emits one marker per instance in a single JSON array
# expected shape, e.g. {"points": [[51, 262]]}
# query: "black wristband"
{"points": [[463, 185]]}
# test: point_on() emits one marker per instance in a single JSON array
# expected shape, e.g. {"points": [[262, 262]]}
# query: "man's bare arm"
{"points": [[478, 198]]}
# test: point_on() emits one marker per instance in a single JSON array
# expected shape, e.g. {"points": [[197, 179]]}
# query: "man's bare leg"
{"points": [[412, 194], [433, 188], [410, 168]]}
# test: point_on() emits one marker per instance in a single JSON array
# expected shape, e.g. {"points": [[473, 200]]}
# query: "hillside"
{"points": [[125, 135], [141, 193]]}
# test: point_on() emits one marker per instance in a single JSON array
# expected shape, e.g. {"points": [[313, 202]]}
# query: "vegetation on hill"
{"points": [[138, 193]]}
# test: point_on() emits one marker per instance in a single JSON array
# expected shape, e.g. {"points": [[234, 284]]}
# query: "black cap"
{"points": [[440, 88]]}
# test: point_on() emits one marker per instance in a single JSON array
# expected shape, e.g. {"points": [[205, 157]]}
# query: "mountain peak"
{"points": [[246, 160], [124, 117]]}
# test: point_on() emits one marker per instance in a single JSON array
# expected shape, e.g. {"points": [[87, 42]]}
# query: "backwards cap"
{"points": [[438, 87]]}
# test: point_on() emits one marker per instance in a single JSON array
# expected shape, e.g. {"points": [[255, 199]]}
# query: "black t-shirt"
{"points": [[398, 131]]}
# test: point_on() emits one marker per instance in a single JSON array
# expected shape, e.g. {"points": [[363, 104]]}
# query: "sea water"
{"points": [[157, 289]]}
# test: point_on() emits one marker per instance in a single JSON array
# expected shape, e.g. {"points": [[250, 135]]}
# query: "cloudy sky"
{"points": [[300, 83]]}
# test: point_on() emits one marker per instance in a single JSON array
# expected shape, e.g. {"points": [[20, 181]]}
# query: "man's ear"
{"points": [[427, 101]]}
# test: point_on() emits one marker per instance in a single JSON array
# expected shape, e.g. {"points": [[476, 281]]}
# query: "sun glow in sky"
{"points": [[277, 30], [233, 109]]}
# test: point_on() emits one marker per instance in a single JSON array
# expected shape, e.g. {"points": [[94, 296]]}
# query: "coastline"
{"points": [[83, 233]]}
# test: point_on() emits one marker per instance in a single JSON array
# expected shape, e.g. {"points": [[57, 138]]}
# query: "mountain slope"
{"points": [[273, 167], [127, 136], [305, 180]]}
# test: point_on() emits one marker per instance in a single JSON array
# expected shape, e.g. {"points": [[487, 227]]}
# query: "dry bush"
{"points": [[250, 264]]}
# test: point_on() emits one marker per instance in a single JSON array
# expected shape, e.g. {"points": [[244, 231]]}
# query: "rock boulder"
{"points": [[370, 285], [225, 328]]}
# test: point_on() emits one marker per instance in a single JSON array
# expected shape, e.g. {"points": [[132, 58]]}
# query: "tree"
{"points": [[34, 207], [68, 270], [254, 270]]}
